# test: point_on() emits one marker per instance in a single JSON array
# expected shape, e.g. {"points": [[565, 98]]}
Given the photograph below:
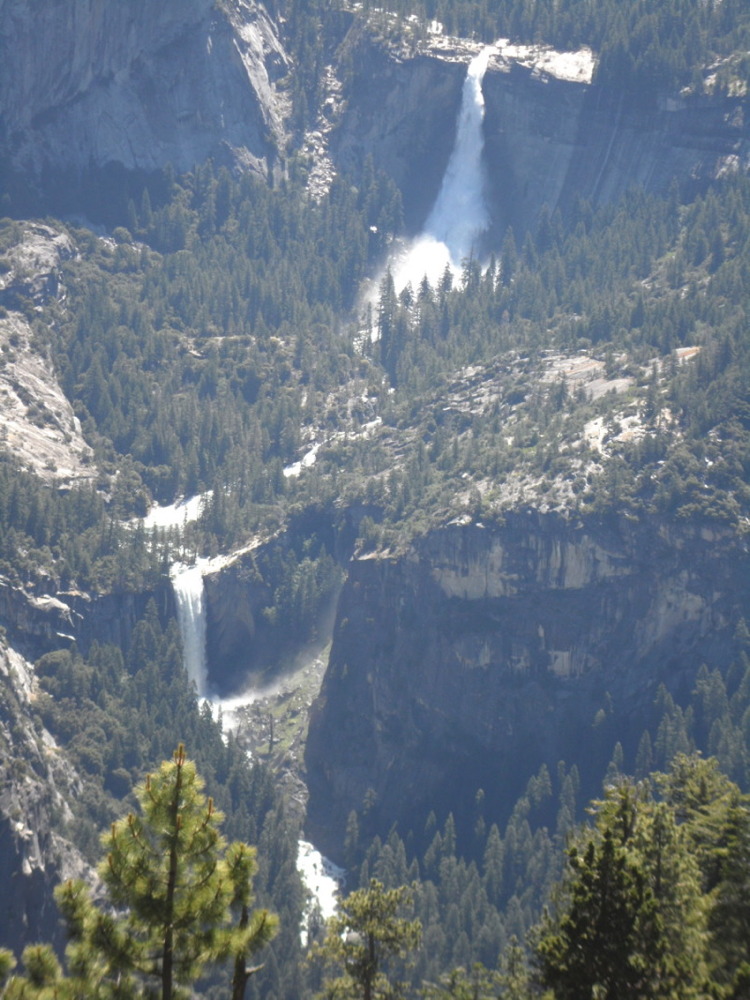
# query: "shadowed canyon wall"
{"points": [[484, 646]]}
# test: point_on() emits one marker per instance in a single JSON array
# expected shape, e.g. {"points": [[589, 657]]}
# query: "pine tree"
{"points": [[7, 962], [174, 888], [632, 920], [591, 952], [367, 931]]}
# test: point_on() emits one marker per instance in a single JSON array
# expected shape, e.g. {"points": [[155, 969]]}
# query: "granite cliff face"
{"points": [[484, 646], [550, 140], [84, 82], [248, 638], [402, 112], [37, 623], [552, 134], [37, 421], [239, 640]]}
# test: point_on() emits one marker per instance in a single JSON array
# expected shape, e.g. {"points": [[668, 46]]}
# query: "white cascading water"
{"points": [[459, 215], [323, 881], [321, 877], [187, 583]]}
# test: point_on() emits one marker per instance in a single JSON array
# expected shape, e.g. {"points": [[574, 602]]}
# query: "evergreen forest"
{"points": [[214, 337]]}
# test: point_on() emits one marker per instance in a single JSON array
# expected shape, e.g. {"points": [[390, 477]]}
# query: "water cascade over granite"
{"points": [[460, 215], [187, 582]]}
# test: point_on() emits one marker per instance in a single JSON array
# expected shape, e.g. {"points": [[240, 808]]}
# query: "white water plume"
{"points": [[177, 514], [459, 215], [187, 583]]}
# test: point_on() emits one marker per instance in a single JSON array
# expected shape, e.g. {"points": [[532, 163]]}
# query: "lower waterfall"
{"points": [[322, 879], [187, 583]]}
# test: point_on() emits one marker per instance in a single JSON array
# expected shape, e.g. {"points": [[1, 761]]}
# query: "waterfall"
{"points": [[323, 880], [187, 583], [459, 215]]}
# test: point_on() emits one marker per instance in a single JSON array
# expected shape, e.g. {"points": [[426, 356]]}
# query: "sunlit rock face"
{"points": [[86, 83], [483, 651], [551, 139]]}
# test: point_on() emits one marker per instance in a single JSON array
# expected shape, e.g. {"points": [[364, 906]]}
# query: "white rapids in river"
{"points": [[323, 881], [459, 216]]}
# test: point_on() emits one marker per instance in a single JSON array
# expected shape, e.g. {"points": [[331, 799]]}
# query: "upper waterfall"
{"points": [[459, 215]]}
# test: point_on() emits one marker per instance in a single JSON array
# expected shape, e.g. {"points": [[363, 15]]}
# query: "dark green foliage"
{"points": [[301, 577], [667, 864], [608, 923], [116, 716], [474, 897], [368, 932], [71, 539], [643, 45], [178, 898], [584, 290], [632, 920]]}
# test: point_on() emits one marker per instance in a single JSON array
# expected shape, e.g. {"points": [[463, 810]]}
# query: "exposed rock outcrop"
{"points": [[140, 84], [239, 639], [37, 623], [86, 84], [249, 641], [550, 141], [402, 112], [484, 646], [36, 780], [37, 422]]}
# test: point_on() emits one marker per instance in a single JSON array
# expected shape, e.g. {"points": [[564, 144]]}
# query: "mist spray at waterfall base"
{"points": [[460, 215]]}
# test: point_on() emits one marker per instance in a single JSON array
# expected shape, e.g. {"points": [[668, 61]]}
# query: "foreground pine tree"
{"points": [[367, 931], [633, 917], [179, 899]]}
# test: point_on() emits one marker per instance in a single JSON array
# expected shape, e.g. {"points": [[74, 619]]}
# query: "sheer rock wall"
{"points": [[141, 84], [481, 646]]}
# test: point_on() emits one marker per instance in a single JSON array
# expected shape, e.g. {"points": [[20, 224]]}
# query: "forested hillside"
{"points": [[240, 336], [642, 47]]}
